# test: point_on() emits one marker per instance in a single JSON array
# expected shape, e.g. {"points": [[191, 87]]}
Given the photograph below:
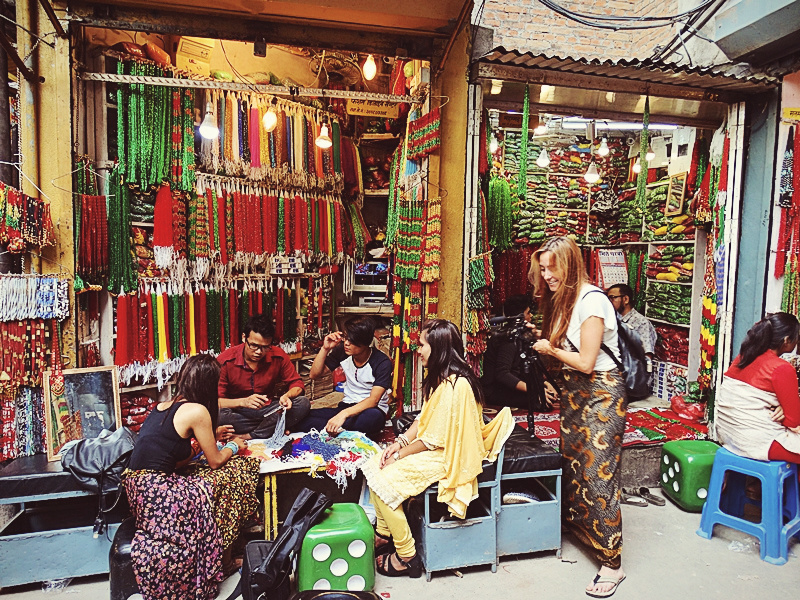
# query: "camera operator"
{"points": [[502, 381]]}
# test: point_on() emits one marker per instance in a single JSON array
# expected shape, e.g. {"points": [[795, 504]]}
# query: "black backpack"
{"points": [[267, 565], [634, 360]]}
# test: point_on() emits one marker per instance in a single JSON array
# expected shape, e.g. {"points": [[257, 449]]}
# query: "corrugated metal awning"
{"points": [[721, 83]]}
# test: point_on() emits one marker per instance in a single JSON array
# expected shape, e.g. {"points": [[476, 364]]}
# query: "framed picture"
{"points": [[675, 194], [86, 403]]}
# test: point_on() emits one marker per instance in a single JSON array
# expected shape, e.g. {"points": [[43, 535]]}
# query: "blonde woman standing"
{"points": [[580, 330]]}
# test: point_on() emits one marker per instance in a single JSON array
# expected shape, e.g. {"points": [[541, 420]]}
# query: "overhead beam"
{"points": [[12, 52], [598, 82], [309, 34], [51, 14], [604, 115]]}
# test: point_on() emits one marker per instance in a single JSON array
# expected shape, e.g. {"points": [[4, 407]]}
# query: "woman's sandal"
{"points": [[413, 566], [385, 546], [645, 493]]}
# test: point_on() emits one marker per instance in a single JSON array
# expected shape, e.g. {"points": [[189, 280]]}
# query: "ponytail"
{"points": [[770, 333]]}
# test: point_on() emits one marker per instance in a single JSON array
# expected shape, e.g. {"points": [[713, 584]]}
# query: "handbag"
{"points": [[267, 565], [97, 464]]}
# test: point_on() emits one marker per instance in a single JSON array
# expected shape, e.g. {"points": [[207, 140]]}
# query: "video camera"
{"points": [[532, 370]]}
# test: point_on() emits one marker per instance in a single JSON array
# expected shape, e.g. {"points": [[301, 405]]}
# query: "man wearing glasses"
{"points": [[368, 381], [621, 297], [248, 379]]}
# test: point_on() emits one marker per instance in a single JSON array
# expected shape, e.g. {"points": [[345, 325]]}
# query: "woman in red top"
{"points": [[758, 407]]}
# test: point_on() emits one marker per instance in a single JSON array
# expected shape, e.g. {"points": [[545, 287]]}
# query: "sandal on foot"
{"points": [[386, 546], [413, 566], [609, 593], [626, 498]]}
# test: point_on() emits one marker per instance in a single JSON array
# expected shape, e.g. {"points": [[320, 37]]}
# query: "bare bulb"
{"points": [[592, 175], [540, 129], [324, 139], [637, 167], [650, 155], [603, 150], [270, 119], [493, 145], [370, 69], [208, 128], [543, 160]]}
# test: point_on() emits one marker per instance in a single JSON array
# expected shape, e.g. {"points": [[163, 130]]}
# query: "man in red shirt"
{"points": [[247, 381]]}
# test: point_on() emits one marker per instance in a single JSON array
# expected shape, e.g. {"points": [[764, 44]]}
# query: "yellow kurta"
{"points": [[451, 422]]}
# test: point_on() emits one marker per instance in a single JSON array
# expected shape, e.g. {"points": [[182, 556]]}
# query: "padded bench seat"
{"points": [[31, 477]]}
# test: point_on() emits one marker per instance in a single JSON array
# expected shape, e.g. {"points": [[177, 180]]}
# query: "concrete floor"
{"points": [[663, 556]]}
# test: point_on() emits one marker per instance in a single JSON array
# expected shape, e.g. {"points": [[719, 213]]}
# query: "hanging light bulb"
{"points": [[369, 69], [650, 154], [603, 149], [497, 87], [543, 160], [208, 128], [270, 119], [324, 139], [493, 145], [637, 167], [540, 129], [591, 175]]}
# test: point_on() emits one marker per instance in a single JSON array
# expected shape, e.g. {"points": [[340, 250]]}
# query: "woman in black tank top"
{"points": [[190, 513]]}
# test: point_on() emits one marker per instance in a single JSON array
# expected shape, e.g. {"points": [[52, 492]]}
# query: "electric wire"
{"points": [[643, 22]]}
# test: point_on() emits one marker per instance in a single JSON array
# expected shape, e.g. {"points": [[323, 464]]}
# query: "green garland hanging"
{"points": [[522, 179], [641, 180], [499, 213], [122, 266]]}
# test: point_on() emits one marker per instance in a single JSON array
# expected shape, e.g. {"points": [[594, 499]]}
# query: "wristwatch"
{"points": [[396, 456]]}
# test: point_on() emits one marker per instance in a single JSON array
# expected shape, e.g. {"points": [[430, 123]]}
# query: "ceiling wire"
{"points": [[644, 22]]}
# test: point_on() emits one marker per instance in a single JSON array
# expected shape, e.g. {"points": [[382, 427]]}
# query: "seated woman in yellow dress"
{"points": [[446, 444]]}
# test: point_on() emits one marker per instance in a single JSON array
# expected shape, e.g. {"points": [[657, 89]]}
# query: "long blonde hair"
{"points": [[567, 264]]}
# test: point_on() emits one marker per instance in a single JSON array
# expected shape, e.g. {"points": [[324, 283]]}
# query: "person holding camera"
{"points": [[577, 319], [502, 381]]}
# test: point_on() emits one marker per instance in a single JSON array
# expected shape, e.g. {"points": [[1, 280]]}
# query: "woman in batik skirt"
{"points": [[186, 521], [577, 319]]}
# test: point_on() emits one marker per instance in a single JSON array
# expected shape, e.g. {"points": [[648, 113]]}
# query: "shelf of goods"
{"points": [[558, 200], [674, 288]]}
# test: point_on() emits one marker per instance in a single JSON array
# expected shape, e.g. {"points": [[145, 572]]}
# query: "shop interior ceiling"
{"points": [[409, 29], [603, 105]]}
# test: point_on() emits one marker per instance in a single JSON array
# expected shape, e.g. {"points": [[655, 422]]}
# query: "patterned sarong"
{"points": [[592, 425]]}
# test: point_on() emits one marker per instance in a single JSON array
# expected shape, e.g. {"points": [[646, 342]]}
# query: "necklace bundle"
{"points": [[522, 178], [24, 220], [33, 297], [92, 252], [423, 135], [122, 270], [499, 214], [432, 245], [24, 350]]}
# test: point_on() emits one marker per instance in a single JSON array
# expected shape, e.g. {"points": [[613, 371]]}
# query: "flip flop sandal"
{"points": [[633, 500], [609, 593], [643, 492], [651, 498]]}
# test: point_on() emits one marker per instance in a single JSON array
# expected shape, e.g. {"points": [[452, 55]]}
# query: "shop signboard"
{"points": [[372, 108], [791, 114]]}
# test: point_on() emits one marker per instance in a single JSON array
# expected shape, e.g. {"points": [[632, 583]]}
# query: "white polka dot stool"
{"points": [[339, 552], [685, 472]]}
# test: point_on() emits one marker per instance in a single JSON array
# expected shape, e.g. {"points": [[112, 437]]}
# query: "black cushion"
{"points": [[524, 453], [34, 476]]}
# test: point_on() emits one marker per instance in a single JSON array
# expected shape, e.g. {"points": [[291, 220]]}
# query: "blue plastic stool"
{"points": [[780, 502]]}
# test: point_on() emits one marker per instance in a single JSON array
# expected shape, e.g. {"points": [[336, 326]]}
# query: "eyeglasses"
{"points": [[612, 297], [257, 347]]}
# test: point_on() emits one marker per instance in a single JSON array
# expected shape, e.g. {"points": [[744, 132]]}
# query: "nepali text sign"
{"points": [[372, 108]]}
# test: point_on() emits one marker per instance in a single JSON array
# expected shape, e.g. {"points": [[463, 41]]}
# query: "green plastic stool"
{"points": [[686, 472], [339, 552]]}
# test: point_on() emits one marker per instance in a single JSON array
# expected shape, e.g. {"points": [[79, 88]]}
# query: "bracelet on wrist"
{"points": [[232, 447], [403, 440]]}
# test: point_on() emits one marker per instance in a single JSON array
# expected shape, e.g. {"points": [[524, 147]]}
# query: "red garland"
{"points": [[287, 224], [211, 215], [223, 240]]}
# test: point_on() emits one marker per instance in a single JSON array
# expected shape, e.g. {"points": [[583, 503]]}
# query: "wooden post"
{"points": [[46, 143]]}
